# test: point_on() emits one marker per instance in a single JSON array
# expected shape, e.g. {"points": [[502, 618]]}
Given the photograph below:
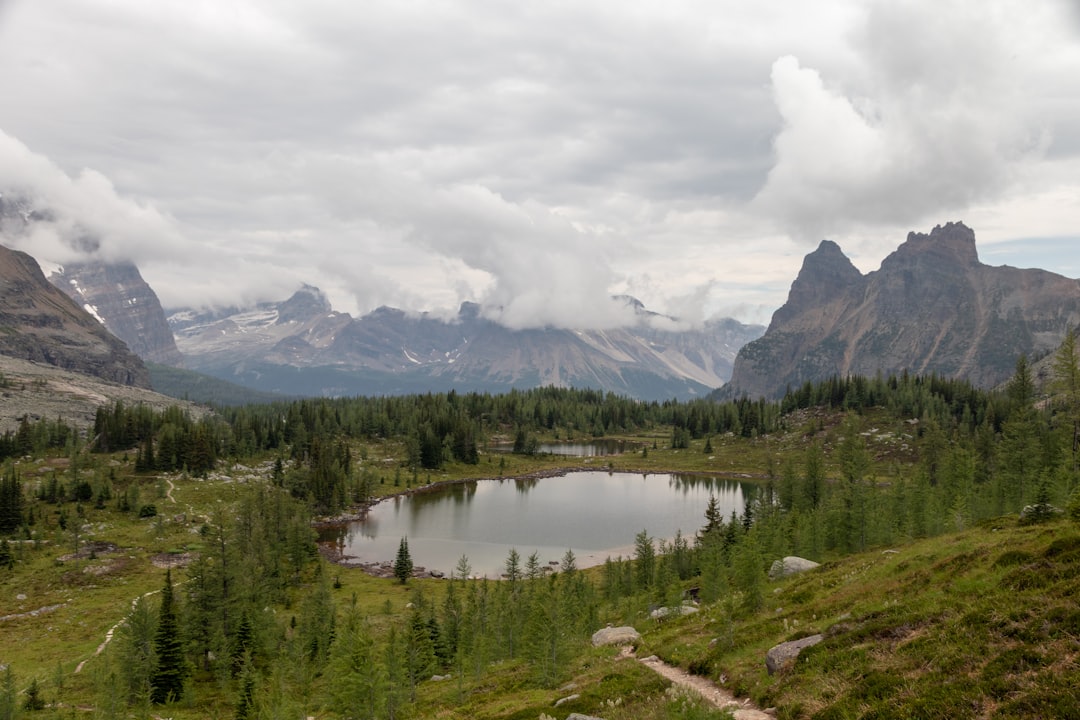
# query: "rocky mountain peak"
{"points": [[932, 307], [305, 303], [948, 245], [826, 273]]}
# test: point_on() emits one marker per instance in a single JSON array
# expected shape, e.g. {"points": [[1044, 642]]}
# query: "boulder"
{"points": [[662, 613], [782, 656], [579, 716], [791, 565], [625, 635]]}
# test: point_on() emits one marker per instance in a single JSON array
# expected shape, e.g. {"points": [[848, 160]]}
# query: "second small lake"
{"points": [[595, 514]]}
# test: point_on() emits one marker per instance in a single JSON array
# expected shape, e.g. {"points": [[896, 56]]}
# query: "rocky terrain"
{"points": [[117, 296], [41, 324], [302, 346], [932, 307], [39, 391]]}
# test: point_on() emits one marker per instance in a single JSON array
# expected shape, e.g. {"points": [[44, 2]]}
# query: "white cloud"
{"points": [[534, 157]]}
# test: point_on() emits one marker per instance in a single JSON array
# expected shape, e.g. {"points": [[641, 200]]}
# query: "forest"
{"points": [[252, 621]]}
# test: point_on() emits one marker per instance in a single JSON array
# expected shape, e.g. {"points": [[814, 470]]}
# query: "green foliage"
{"points": [[403, 564], [170, 665]]}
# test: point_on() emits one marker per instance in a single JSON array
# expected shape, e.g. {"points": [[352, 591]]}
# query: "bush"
{"points": [[147, 511]]}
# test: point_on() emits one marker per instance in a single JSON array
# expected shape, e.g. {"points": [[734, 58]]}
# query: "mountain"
{"points": [[931, 307], [302, 346], [117, 296], [42, 324]]}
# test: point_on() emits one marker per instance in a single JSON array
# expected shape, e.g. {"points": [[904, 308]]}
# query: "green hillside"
{"points": [[934, 599]]}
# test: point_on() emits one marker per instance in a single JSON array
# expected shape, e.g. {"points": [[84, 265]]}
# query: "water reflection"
{"points": [[600, 447], [596, 514]]}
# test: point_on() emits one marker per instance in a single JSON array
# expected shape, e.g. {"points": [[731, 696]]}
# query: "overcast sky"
{"points": [[537, 157]]}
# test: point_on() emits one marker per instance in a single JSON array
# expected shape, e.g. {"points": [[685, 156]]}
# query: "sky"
{"points": [[537, 158]]}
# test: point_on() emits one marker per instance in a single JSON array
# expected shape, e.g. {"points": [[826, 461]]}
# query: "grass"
{"points": [[981, 623]]}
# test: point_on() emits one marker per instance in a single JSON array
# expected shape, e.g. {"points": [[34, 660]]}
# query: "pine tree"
{"points": [[403, 564], [167, 679], [11, 502], [1067, 383], [135, 641], [644, 560], [358, 687]]}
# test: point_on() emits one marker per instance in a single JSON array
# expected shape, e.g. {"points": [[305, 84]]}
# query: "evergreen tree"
{"points": [[167, 679], [135, 644], [1067, 383], [419, 651], [358, 689], [403, 564], [11, 502], [644, 560], [9, 708]]}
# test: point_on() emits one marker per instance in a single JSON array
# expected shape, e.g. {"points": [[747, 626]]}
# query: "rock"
{"points": [[782, 656], [579, 716], [663, 613], [791, 565], [440, 678], [1040, 512], [625, 635], [568, 698]]}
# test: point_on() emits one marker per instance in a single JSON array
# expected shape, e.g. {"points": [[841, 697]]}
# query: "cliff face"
{"points": [[42, 324], [931, 307], [117, 295]]}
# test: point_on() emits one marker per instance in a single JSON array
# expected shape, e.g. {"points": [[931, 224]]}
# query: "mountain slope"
{"points": [[931, 307], [42, 324], [303, 346], [117, 295]]}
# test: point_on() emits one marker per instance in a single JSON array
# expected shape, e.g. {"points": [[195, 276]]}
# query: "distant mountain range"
{"points": [[302, 346], [932, 307]]}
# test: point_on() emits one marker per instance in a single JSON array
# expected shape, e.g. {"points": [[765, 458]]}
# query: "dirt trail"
{"points": [[714, 694], [111, 632]]}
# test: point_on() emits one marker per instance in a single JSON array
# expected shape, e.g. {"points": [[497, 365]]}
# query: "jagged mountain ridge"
{"points": [[112, 292], [389, 351], [41, 324], [118, 296], [931, 307]]}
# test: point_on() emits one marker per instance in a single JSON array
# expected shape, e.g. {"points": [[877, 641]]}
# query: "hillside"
{"points": [[41, 324], [932, 307], [42, 392]]}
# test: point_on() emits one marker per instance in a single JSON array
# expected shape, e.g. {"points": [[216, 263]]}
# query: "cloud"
{"points": [[85, 216], [939, 117], [537, 158]]}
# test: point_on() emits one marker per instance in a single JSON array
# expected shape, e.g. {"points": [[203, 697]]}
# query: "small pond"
{"points": [[595, 514]]}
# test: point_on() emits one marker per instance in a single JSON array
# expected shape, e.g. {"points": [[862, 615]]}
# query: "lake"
{"points": [[590, 448], [595, 514]]}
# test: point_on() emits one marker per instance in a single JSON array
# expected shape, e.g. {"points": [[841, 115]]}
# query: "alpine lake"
{"points": [[596, 514]]}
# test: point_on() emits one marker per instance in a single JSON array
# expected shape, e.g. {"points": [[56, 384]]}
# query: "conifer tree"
{"points": [[359, 683], [1067, 383], [403, 564], [644, 560], [167, 679]]}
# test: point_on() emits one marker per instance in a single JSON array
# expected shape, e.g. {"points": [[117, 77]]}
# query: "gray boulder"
{"points": [[662, 613], [782, 656], [579, 716], [625, 635], [791, 565]]}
